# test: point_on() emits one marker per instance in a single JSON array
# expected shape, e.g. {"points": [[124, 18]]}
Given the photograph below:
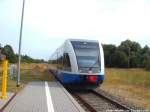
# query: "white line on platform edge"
{"points": [[49, 99]]}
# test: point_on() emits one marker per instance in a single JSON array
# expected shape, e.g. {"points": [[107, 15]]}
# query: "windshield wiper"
{"points": [[92, 66]]}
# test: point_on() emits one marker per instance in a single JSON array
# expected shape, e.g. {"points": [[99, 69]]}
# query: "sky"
{"points": [[48, 23]]}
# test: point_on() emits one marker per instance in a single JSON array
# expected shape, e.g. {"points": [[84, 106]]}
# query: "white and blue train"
{"points": [[80, 62]]}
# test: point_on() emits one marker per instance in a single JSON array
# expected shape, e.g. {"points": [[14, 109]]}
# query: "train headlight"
{"points": [[92, 78]]}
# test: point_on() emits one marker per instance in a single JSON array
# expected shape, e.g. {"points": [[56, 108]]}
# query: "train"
{"points": [[79, 63]]}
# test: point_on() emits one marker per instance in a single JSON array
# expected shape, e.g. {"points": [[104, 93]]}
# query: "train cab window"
{"points": [[87, 54], [66, 62], [87, 58]]}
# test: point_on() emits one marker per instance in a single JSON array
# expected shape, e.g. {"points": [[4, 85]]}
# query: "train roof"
{"points": [[70, 40], [85, 40]]}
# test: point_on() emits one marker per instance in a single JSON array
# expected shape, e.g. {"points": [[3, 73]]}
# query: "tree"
{"points": [[120, 59], [129, 45], [132, 50], [8, 51], [26, 59], [145, 57], [147, 65], [109, 51]]}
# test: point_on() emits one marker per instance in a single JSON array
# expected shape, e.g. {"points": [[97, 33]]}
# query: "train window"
{"points": [[85, 45], [60, 62], [87, 54], [66, 62], [87, 58]]}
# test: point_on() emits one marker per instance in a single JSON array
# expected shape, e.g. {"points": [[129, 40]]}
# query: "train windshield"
{"points": [[87, 54]]}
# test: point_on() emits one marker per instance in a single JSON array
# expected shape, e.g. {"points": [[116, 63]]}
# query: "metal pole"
{"points": [[20, 40]]}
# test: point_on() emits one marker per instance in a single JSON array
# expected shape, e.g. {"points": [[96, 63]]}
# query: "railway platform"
{"points": [[43, 97], [4, 102]]}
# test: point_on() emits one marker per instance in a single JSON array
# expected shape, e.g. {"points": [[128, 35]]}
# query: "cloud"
{"points": [[47, 23], [86, 17]]}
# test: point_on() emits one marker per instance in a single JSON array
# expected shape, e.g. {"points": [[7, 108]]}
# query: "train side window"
{"points": [[66, 62], [60, 62]]}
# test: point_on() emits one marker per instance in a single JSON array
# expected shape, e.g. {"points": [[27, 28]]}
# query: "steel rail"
{"points": [[88, 106], [92, 109], [111, 100]]}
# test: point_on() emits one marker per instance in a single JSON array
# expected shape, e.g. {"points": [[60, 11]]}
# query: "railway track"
{"points": [[93, 101]]}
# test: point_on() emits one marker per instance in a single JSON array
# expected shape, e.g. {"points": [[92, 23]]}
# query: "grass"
{"points": [[29, 72], [138, 77], [131, 84]]}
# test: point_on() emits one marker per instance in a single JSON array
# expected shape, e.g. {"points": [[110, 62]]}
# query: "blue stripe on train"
{"points": [[101, 77], [74, 78]]}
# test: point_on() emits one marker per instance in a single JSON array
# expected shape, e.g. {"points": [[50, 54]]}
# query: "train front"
{"points": [[90, 61]]}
